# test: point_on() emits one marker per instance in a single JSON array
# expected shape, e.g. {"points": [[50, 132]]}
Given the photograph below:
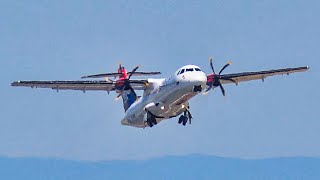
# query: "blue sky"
{"points": [[63, 40]]}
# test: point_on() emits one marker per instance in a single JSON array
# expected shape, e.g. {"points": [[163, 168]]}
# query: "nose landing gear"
{"points": [[197, 89]]}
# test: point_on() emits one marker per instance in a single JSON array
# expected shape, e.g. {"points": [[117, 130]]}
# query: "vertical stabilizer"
{"points": [[128, 97]]}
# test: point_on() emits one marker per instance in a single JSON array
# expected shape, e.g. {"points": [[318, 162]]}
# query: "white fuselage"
{"points": [[167, 98]]}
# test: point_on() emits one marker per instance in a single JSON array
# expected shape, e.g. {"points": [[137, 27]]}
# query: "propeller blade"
{"points": [[222, 89], [131, 89], [225, 66], [119, 95], [216, 78], [133, 71], [127, 85], [209, 88], [121, 92], [211, 65]]}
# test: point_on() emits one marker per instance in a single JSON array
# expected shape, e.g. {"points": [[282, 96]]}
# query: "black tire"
{"points": [[150, 123], [180, 119], [185, 121], [154, 121]]}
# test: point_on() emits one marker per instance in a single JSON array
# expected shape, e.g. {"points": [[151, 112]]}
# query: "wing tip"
{"points": [[15, 83], [305, 68], [302, 68]]}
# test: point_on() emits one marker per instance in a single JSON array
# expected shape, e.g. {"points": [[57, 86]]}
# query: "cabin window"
{"points": [[182, 71], [189, 70]]}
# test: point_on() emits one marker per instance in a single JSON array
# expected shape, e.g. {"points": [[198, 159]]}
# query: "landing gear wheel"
{"points": [[150, 124], [185, 120], [180, 119], [185, 117], [154, 121], [150, 120]]}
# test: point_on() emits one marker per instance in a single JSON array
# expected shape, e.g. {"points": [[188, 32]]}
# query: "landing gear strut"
{"points": [[185, 118], [151, 119]]}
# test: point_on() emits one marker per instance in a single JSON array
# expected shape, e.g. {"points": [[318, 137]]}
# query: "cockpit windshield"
{"points": [[189, 70]]}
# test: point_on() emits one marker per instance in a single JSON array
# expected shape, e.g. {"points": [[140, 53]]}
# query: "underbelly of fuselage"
{"points": [[174, 101]]}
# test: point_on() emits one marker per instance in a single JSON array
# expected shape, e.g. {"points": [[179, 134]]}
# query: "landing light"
{"points": [[162, 107], [183, 106]]}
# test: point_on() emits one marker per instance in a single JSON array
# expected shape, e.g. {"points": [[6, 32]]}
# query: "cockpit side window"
{"points": [[182, 71], [189, 70], [178, 72], [197, 69]]}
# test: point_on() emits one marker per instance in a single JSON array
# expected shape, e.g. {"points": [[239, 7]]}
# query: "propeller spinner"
{"points": [[214, 80], [126, 79]]}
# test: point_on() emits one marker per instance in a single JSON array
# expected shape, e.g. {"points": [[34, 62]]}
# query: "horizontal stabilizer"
{"points": [[107, 75]]}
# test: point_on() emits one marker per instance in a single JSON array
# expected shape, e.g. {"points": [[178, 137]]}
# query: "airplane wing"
{"points": [[80, 85], [248, 76]]}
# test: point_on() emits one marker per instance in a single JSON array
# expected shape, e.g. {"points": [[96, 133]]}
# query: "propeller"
{"points": [[214, 80], [133, 71], [126, 84]]}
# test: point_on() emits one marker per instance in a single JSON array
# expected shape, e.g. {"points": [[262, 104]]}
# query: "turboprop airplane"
{"points": [[162, 98]]}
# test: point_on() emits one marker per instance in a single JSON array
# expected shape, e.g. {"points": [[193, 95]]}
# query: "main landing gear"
{"points": [[151, 119], [185, 118]]}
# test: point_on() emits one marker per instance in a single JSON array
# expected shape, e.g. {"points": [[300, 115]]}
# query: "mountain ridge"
{"points": [[170, 167]]}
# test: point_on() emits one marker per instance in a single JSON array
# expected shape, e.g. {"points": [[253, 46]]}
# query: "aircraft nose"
{"points": [[203, 78], [199, 77]]}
